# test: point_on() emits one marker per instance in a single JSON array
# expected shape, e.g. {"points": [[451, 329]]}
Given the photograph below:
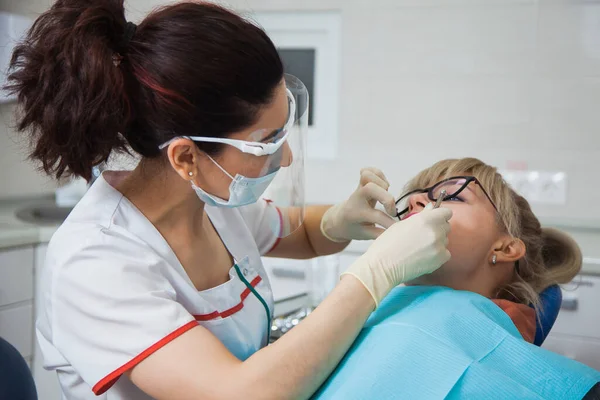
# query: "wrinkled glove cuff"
{"points": [[324, 219]]}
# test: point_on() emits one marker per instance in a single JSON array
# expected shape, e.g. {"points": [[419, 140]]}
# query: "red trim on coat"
{"points": [[229, 312], [109, 380]]}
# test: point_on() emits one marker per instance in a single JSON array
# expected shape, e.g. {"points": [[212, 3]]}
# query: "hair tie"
{"points": [[128, 34], [130, 29]]}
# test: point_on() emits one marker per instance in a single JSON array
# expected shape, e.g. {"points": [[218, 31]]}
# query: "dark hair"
{"points": [[191, 68]]}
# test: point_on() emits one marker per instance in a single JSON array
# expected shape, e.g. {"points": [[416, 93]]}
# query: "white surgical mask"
{"points": [[242, 190]]}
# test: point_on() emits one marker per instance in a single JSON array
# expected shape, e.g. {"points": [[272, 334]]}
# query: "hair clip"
{"points": [[116, 59]]}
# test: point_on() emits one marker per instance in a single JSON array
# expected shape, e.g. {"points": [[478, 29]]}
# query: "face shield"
{"points": [[287, 190]]}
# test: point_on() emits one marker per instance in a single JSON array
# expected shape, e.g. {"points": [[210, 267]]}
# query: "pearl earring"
{"points": [[190, 173], [494, 259]]}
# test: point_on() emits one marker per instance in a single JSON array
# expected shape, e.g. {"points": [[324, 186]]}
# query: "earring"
{"points": [[190, 173], [494, 259]]}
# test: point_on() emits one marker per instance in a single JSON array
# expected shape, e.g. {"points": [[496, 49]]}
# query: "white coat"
{"points": [[114, 292]]}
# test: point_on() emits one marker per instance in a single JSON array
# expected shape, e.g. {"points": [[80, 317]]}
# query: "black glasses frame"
{"points": [[430, 196], [429, 191]]}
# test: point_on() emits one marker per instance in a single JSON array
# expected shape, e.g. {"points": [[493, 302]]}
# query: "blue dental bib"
{"points": [[439, 343]]}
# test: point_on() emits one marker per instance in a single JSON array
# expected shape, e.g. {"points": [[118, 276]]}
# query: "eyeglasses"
{"points": [[453, 187]]}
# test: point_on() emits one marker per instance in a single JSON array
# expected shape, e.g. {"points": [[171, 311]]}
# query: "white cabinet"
{"points": [[16, 297], [16, 327], [579, 314], [584, 350], [287, 277], [16, 276], [576, 332], [45, 381], [19, 278]]}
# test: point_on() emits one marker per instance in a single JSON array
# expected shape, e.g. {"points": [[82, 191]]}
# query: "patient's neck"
{"points": [[474, 284]]}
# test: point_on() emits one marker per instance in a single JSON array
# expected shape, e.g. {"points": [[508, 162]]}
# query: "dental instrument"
{"points": [[441, 198]]}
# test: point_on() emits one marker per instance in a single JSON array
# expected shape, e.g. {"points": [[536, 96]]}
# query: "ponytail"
{"points": [[88, 83], [561, 254], [72, 97]]}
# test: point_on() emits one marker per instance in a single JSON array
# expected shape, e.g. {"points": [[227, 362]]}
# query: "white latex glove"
{"points": [[405, 251], [356, 218]]}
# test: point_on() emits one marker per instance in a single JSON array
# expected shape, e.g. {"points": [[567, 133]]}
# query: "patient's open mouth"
{"points": [[407, 216]]}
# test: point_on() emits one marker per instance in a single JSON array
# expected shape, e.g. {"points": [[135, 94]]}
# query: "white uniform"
{"points": [[114, 292]]}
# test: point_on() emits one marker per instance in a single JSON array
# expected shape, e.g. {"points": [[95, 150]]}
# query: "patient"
{"points": [[465, 331], [497, 245]]}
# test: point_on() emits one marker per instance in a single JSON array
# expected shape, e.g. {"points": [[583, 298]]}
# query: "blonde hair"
{"points": [[552, 256]]}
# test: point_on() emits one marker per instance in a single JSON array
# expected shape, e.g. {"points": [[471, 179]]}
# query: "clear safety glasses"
{"points": [[453, 187], [258, 148]]}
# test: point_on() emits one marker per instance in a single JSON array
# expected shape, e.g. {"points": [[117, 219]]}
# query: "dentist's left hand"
{"points": [[356, 218]]}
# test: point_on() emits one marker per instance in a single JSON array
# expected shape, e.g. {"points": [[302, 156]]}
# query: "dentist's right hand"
{"points": [[405, 251]]}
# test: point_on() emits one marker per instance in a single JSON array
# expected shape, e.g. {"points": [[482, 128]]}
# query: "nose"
{"points": [[286, 155], [417, 202]]}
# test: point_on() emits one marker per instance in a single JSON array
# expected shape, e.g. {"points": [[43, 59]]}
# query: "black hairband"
{"points": [[130, 29]]}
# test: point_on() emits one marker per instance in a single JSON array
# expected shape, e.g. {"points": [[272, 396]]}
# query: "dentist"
{"points": [[154, 286]]}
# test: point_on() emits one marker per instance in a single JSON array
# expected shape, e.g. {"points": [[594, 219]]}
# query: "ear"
{"points": [[508, 250], [184, 157]]}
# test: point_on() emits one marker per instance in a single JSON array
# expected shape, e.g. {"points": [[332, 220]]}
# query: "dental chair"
{"points": [[551, 300], [16, 381]]}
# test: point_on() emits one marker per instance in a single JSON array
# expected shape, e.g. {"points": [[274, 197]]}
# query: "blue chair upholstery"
{"points": [[16, 381], [551, 299]]}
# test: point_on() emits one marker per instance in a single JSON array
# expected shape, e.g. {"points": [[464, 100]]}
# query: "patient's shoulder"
{"points": [[521, 315]]}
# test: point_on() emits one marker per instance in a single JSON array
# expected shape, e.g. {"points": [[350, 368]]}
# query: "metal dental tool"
{"points": [[441, 198]]}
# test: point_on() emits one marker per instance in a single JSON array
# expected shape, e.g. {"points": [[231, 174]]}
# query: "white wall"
{"points": [[503, 80], [25, 7], [508, 81]]}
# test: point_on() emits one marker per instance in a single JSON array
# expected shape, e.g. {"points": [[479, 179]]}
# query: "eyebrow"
{"points": [[271, 135], [473, 190], [276, 132]]}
